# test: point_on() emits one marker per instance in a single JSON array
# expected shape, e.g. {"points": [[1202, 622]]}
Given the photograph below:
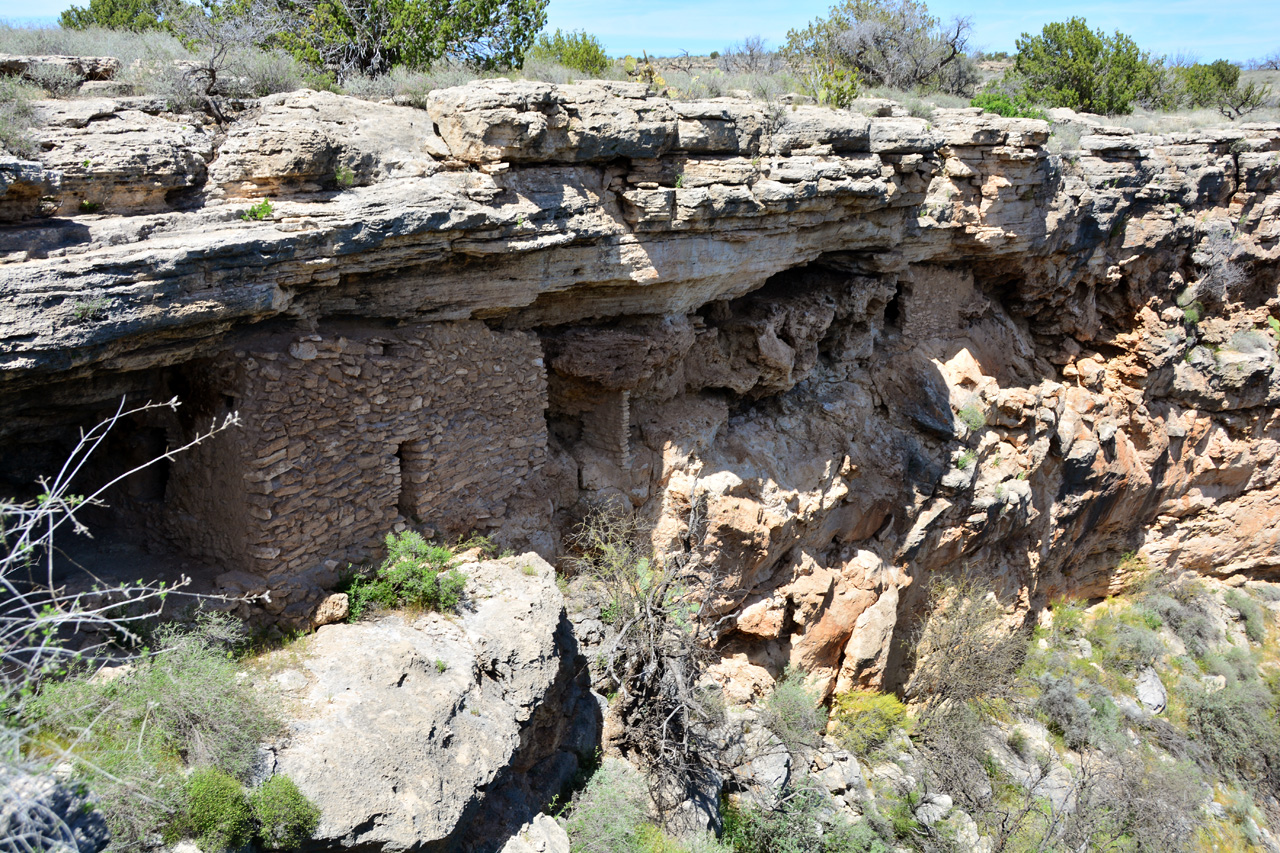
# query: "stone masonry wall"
{"points": [[344, 437], [933, 299]]}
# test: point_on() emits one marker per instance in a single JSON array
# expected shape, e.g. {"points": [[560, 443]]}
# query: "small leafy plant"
{"points": [[791, 713], [258, 212], [965, 460], [87, 206], [865, 720], [973, 416], [285, 817], [217, 812], [414, 574], [92, 309], [344, 177]]}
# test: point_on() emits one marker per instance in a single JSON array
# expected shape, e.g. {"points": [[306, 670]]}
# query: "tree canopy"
{"points": [[372, 36], [893, 43], [134, 15], [351, 36], [1070, 65]]}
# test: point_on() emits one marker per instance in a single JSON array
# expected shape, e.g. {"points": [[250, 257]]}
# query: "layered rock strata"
{"points": [[830, 355]]}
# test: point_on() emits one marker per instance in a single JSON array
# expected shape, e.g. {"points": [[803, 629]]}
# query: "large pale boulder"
{"points": [[119, 156], [1151, 691], [85, 67], [309, 141], [540, 835], [525, 121], [22, 184], [411, 725]]}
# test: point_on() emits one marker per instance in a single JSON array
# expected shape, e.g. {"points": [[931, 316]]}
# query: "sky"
{"points": [[1207, 29]]}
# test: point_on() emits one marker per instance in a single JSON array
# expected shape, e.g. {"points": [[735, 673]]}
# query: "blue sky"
{"points": [[1210, 29]]}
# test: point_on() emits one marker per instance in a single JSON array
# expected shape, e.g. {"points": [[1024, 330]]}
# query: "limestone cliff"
{"points": [[829, 354]]}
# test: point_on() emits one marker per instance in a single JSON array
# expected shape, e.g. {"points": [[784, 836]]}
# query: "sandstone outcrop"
{"points": [[430, 732], [830, 355]]}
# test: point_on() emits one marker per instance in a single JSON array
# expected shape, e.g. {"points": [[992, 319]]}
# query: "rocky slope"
{"points": [[828, 355]]}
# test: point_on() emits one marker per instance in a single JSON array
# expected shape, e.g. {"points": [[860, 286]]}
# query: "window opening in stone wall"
{"points": [[404, 503]]}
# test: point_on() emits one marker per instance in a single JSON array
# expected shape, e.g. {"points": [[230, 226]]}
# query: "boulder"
{"points": [[85, 67], [333, 608], [540, 835], [496, 120], [309, 141], [1151, 691], [40, 813], [116, 158], [22, 185], [411, 725]]}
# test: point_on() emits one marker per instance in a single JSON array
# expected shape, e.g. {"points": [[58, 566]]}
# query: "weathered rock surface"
{"points": [[407, 728], [85, 67], [540, 835], [39, 813], [1151, 691], [829, 354], [22, 185]]}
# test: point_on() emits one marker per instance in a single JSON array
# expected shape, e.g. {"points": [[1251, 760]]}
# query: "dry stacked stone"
{"points": [[345, 438]]}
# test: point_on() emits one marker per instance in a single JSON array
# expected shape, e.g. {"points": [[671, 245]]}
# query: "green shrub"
{"points": [[1250, 611], [575, 49], [865, 720], [1236, 665], [791, 712], [58, 80], [133, 15], [833, 86], [1009, 106], [414, 574], [285, 817], [258, 212], [373, 36], [802, 821], [965, 460], [1202, 85], [1237, 726], [1068, 618], [607, 814], [1126, 641], [973, 416], [1066, 714], [894, 44], [216, 813], [185, 705], [1070, 65], [1185, 616]]}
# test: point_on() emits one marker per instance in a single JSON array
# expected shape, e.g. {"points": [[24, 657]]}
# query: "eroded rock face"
{"points": [[829, 355], [431, 732]]}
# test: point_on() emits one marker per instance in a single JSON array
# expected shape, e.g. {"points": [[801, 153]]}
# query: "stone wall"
{"points": [[344, 437], [933, 299]]}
